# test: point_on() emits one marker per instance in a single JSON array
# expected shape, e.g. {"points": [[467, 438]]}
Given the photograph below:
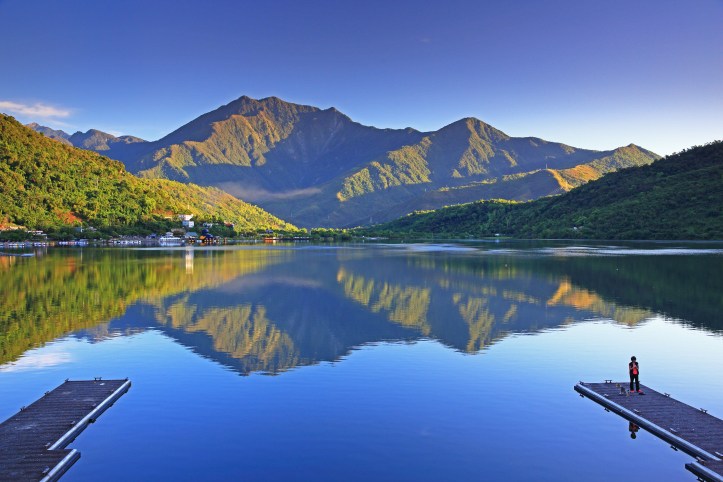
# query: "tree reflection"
{"points": [[270, 310]]}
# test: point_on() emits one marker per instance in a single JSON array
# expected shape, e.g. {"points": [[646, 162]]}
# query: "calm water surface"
{"points": [[359, 362]]}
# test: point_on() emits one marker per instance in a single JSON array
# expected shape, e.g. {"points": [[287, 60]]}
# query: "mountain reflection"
{"points": [[242, 332], [269, 310], [65, 291]]}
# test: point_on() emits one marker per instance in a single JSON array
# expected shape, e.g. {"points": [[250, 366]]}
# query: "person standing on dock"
{"points": [[634, 370]]}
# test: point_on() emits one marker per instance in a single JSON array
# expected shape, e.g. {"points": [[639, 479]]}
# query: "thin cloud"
{"points": [[35, 110], [56, 124], [37, 361], [259, 195]]}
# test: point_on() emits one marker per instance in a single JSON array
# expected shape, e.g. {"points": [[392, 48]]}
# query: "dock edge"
{"points": [[646, 424]]}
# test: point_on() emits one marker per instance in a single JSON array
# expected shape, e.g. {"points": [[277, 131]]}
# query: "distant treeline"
{"points": [[677, 197]]}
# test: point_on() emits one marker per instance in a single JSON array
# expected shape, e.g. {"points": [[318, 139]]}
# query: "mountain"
{"points": [[320, 168], [677, 197], [99, 141], [58, 135], [45, 183], [94, 140]]}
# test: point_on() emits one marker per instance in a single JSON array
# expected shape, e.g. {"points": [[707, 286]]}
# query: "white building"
{"points": [[186, 220]]}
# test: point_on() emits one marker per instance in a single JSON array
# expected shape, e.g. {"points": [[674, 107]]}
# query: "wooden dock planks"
{"points": [[690, 429], [33, 441]]}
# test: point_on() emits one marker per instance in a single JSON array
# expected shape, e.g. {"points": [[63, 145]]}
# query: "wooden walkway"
{"points": [[33, 441], [689, 429]]}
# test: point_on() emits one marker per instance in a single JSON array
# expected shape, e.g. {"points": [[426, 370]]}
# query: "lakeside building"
{"points": [[186, 220]]}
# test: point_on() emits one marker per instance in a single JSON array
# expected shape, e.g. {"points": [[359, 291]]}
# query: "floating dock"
{"points": [[33, 441], [692, 430]]}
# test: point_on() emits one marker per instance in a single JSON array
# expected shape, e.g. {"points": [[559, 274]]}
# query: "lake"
{"points": [[366, 361]]}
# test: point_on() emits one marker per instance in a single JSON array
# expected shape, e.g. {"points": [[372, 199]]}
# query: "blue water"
{"points": [[399, 362]]}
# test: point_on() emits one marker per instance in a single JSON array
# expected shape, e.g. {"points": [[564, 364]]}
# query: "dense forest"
{"points": [[677, 197], [45, 183], [55, 295]]}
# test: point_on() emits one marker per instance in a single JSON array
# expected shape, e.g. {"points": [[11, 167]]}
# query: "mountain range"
{"points": [[677, 197], [317, 167]]}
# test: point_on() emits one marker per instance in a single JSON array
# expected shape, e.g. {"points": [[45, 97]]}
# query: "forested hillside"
{"points": [[678, 197], [45, 183]]}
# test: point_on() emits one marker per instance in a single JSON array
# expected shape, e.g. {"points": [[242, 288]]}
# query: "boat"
{"points": [[19, 255], [169, 239]]}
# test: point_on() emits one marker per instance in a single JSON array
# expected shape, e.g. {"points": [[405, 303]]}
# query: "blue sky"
{"points": [[590, 74]]}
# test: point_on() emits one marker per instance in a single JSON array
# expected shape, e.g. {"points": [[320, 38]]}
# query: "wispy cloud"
{"points": [[59, 124], [34, 110]]}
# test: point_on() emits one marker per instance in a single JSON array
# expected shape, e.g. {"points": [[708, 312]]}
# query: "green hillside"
{"points": [[678, 197], [44, 183]]}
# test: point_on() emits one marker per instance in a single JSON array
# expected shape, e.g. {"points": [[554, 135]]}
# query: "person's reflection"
{"points": [[633, 429]]}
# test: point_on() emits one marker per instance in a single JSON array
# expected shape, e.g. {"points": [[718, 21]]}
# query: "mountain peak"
{"points": [[273, 98], [634, 149], [279, 105], [201, 128], [58, 135], [244, 103], [476, 126]]}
